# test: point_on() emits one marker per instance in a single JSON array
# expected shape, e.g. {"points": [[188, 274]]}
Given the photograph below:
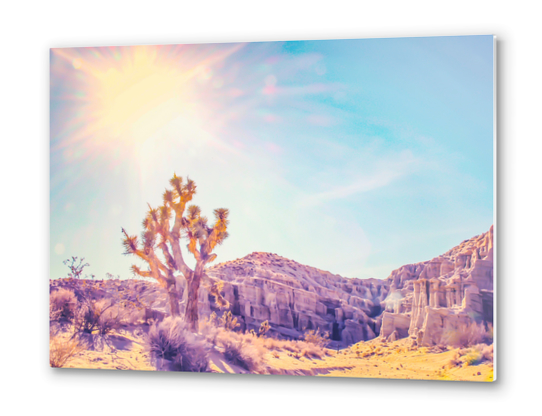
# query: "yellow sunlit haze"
{"points": [[143, 91], [128, 94]]}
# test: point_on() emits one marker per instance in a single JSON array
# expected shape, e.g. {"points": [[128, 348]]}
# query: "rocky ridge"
{"points": [[295, 298], [425, 301], [435, 300]]}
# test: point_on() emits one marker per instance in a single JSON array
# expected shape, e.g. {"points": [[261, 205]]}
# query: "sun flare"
{"points": [[127, 94]]}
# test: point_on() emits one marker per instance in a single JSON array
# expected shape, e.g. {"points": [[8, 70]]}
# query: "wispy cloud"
{"points": [[385, 173]]}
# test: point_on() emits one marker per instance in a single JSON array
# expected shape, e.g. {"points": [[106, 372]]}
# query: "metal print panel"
{"points": [[311, 208]]}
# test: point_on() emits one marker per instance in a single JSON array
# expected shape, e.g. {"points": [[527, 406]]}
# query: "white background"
{"points": [[29, 29]]}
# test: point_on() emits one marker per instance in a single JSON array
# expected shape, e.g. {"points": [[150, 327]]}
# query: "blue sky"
{"points": [[353, 156]]}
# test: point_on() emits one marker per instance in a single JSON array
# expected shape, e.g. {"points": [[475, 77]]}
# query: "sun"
{"points": [[143, 91], [119, 97]]}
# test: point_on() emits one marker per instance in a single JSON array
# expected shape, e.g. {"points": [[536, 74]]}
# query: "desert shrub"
{"points": [[110, 316], [471, 334], [487, 351], [228, 321], [264, 328], [61, 351], [311, 350], [209, 330], [239, 350], [96, 317], [62, 304], [474, 357], [477, 354], [314, 336], [172, 340]]}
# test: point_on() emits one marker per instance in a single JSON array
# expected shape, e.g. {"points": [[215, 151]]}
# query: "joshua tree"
{"points": [[160, 247]]}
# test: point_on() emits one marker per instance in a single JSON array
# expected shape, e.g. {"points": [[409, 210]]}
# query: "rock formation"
{"points": [[429, 301], [295, 298], [438, 299]]}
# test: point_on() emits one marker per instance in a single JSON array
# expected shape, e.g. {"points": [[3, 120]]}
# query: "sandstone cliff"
{"points": [[438, 299], [429, 301], [295, 298]]}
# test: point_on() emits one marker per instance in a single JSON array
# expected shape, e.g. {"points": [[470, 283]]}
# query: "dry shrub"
{"points": [[239, 349], [311, 350], [62, 304], [470, 335], [228, 321], [100, 317], [478, 354], [172, 341], [474, 357], [264, 328], [314, 336], [61, 351], [305, 349]]}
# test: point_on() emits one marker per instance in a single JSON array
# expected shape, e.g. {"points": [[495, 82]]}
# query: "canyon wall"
{"points": [[430, 302], [434, 301]]}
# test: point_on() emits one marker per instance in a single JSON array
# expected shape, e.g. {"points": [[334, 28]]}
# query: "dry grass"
{"points": [[62, 304], [470, 335], [315, 337], [61, 351], [171, 340], [242, 350]]}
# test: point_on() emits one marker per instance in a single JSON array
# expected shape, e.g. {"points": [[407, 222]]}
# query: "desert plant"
{"points": [[228, 321], [264, 328], [314, 336], [471, 334], [474, 357], [160, 247], [77, 267], [64, 302], [173, 341], [311, 350], [239, 351], [96, 317], [61, 350]]}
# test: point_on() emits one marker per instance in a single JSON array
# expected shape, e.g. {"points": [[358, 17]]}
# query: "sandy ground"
{"points": [[365, 360], [389, 361]]}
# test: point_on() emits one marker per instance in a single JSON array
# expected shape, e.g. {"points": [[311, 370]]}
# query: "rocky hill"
{"points": [[295, 298], [434, 301], [428, 301]]}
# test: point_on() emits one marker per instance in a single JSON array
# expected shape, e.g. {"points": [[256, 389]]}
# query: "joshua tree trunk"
{"points": [[173, 299], [192, 300]]}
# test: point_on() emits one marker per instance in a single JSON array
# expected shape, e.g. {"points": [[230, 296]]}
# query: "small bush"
{"points": [[313, 336], [240, 351], [62, 304], [171, 340], [311, 350], [228, 321], [473, 358], [264, 328], [478, 354], [99, 317], [62, 351], [470, 335]]}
